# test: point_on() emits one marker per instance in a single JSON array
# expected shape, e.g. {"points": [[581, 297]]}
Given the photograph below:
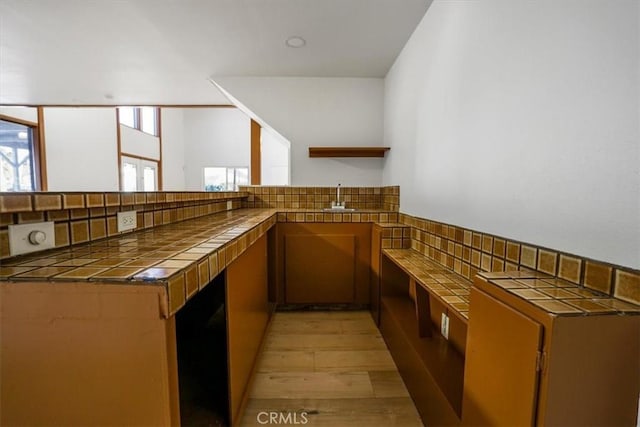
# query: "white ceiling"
{"points": [[163, 51]]}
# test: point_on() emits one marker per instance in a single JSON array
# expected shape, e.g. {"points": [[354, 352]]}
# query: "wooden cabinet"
{"points": [[526, 366], [247, 319], [323, 263]]}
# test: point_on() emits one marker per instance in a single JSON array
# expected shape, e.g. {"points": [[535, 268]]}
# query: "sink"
{"points": [[339, 209]]}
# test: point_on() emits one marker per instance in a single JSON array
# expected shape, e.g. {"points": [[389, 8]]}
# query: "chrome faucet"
{"points": [[338, 195]]}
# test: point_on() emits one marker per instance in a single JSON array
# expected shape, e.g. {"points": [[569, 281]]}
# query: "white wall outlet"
{"points": [[444, 326], [127, 221], [33, 237], [229, 205]]}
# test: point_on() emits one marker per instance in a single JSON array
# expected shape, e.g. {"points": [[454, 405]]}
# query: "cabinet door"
{"points": [[501, 376], [320, 268]]}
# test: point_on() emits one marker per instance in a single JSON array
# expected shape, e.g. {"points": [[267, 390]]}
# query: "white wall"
{"points": [[138, 143], [81, 149], [522, 119], [29, 114], [172, 149], [214, 137], [274, 158], [319, 112]]}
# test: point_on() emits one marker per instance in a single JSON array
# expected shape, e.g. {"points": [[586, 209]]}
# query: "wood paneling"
{"points": [[501, 378], [256, 156], [329, 263], [74, 354], [247, 318], [320, 268], [347, 151]]}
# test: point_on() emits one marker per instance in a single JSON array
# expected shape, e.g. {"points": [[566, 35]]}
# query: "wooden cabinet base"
{"points": [[78, 354]]}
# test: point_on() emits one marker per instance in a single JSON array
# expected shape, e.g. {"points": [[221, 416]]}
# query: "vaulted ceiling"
{"points": [[164, 51]]}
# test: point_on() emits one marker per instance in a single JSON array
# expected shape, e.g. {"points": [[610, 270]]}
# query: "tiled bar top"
{"points": [[450, 288], [557, 296], [147, 256], [159, 253]]}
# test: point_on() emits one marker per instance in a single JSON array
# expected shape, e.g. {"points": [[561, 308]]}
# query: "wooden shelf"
{"points": [[347, 151]]}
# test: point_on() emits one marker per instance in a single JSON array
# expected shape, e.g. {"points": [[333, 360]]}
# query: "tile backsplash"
{"points": [[468, 252], [84, 217], [379, 198]]}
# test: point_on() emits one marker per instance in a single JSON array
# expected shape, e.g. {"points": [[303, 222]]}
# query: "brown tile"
{"points": [[43, 272], [513, 252], [191, 279], [174, 263], [475, 258], [112, 199], [627, 286], [94, 200], [547, 261], [141, 262], [487, 243], [499, 247], [467, 238], [476, 241], [213, 265], [62, 215], [73, 201], [559, 293], [39, 262], [177, 293], [598, 276], [618, 305], [530, 294], [589, 306], [6, 219], [81, 273], [26, 217], [570, 268], [528, 256], [6, 272], [74, 262], [203, 273], [497, 264], [486, 262], [112, 225], [47, 202], [107, 262], [15, 202], [119, 273], [98, 228], [79, 213], [155, 273], [127, 199], [79, 231], [556, 307]]}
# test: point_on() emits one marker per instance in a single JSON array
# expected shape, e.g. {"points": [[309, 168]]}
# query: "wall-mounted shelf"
{"points": [[347, 151]]}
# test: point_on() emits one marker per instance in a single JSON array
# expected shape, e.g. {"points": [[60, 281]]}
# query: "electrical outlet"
{"points": [[229, 205], [444, 326], [33, 237], [127, 221]]}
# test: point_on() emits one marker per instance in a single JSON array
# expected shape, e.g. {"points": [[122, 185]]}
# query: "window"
{"points": [[139, 174], [17, 157], [144, 119], [225, 179]]}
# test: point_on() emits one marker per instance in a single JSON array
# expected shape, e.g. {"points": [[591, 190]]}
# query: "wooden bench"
{"points": [[417, 296]]}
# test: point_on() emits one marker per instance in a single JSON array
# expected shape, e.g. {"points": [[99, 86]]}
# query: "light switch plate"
{"points": [[127, 221], [44, 237], [444, 326]]}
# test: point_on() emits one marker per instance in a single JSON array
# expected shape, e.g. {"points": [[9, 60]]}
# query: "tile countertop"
{"points": [[146, 256], [154, 255], [556, 296]]}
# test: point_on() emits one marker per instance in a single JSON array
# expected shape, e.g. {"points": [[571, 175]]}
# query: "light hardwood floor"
{"points": [[334, 368]]}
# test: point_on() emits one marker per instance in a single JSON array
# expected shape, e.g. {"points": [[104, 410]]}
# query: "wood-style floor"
{"points": [[328, 369]]}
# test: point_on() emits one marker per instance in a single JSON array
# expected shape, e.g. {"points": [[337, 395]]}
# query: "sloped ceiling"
{"points": [[163, 51]]}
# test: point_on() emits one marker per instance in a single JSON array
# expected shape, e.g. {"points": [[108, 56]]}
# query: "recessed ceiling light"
{"points": [[295, 41]]}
